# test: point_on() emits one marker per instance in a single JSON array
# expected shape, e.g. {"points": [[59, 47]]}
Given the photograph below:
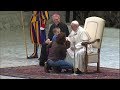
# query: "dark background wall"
{"points": [[112, 18]]}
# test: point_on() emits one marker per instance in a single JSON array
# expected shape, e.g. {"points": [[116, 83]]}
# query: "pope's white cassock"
{"points": [[77, 37]]}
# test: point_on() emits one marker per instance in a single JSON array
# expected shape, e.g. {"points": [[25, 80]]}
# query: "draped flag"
{"points": [[37, 26]]}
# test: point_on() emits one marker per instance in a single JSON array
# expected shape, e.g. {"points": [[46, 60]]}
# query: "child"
{"points": [[56, 31]]}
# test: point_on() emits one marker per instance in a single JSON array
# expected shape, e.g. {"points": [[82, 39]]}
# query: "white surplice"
{"points": [[77, 37]]}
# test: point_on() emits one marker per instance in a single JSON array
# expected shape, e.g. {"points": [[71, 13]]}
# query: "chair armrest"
{"points": [[86, 43], [96, 40]]}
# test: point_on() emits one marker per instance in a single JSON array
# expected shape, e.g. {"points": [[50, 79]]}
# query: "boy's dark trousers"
{"points": [[43, 55]]}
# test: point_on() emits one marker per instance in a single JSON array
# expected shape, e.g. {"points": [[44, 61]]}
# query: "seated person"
{"points": [[57, 54], [76, 37]]}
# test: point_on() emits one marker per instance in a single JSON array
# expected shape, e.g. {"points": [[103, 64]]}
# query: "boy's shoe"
{"points": [[46, 68], [57, 70]]}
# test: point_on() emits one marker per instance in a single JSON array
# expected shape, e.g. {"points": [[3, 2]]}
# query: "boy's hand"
{"points": [[47, 41]]}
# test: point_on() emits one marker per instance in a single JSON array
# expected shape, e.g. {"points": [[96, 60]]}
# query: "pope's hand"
{"points": [[72, 48]]}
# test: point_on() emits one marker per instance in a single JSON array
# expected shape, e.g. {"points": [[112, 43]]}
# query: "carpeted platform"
{"points": [[37, 72]]}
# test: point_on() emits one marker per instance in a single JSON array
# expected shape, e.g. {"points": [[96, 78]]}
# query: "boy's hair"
{"points": [[55, 29]]}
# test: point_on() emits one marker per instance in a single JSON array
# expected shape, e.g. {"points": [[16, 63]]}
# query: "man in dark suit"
{"points": [[56, 23]]}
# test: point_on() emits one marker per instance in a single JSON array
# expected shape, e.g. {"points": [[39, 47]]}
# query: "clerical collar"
{"points": [[57, 24]]}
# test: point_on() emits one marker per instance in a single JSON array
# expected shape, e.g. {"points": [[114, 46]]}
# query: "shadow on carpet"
{"points": [[37, 72]]}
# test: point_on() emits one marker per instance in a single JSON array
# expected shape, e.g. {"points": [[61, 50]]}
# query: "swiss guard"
{"points": [[37, 30]]}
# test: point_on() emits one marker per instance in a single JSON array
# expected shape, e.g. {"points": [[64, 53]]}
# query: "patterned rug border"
{"points": [[37, 72]]}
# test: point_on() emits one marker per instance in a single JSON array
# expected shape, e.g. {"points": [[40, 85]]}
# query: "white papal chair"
{"points": [[95, 28]]}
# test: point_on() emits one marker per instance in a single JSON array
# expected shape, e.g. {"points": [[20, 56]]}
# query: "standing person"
{"points": [[77, 36], [56, 23], [56, 31], [37, 30]]}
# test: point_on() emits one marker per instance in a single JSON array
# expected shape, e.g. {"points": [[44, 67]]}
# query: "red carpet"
{"points": [[37, 72]]}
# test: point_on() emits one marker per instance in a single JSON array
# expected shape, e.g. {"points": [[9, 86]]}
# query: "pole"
{"points": [[74, 55], [23, 29]]}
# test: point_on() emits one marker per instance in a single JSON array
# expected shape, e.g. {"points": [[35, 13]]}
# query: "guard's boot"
{"points": [[34, 55]]}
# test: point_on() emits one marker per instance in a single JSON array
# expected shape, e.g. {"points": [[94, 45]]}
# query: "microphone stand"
{"points": [[74, 51], [74, 56]]}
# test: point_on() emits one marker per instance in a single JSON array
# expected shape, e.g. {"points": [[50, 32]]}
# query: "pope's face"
{"points": [[74, 27]]}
